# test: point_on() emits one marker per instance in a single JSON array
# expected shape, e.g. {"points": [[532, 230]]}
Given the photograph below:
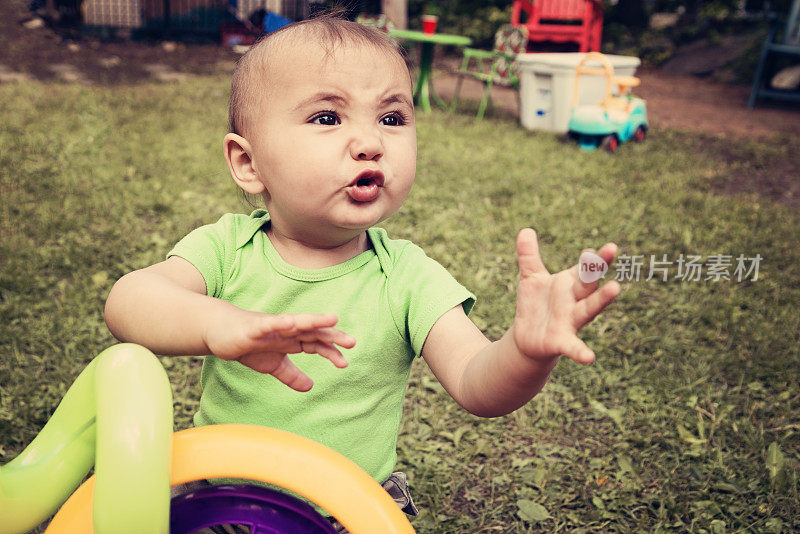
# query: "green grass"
{"points": [[688, 421]]}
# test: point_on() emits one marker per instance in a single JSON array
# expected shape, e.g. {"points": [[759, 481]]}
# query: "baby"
{"points": [[322, 128]]}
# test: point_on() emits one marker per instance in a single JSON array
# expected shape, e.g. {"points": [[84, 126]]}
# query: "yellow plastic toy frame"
{"points": [[269, 455]]}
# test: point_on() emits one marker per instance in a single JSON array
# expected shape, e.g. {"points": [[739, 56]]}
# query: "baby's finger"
{"points": [[608, 252], [591, 306], [578, 351], [528, 257], [269, 324], [325, 350], [332, 336], [592, 266], [586, 273], [311, 321], [264, 362], [288, 373], [274, 342]]}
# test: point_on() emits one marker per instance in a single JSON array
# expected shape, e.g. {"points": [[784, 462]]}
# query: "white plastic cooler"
{"points": [[547, 82]]}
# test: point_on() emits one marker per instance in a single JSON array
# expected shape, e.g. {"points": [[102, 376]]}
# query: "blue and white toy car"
{"points": [[616, 119]]}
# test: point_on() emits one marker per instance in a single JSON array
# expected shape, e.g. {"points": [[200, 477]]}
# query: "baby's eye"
{"points": [[393, 119], [327, 118]]}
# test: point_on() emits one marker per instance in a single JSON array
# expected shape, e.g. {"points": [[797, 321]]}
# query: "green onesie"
{"points": [[388, 298]]}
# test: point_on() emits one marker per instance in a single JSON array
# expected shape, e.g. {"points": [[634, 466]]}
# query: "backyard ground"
{"points": [[687, 421]]}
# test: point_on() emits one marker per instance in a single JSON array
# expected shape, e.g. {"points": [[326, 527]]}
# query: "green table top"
{"points": [[438, 38]]}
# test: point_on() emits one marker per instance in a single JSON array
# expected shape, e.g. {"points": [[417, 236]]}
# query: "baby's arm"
{"points": [[165, 308], [492, 379]]}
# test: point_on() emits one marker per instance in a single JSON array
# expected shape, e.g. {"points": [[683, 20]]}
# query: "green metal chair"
{"points": [[496, 67], [789, 45]]}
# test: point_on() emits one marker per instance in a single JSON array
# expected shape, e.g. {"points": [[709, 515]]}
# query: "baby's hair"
{"points": [[329, 30]]}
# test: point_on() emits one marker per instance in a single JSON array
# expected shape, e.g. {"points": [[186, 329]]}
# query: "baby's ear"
{"points": [[239, 155]]}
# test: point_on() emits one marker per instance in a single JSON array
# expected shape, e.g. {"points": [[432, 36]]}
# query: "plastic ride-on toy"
{"points": [[616, 119], [117, 418]]}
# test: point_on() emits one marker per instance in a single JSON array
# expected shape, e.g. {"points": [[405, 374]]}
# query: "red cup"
{"points": [[429, 23]]}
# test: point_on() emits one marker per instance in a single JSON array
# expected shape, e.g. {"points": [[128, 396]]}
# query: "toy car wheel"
{"points": [[610, 143], [639, 135]]}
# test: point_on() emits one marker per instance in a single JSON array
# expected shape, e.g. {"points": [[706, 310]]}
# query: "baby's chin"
{"points": [[364, 225], [365, 217]]}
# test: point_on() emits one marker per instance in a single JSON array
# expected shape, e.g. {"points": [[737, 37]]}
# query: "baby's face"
{"points": [[334, 141]]}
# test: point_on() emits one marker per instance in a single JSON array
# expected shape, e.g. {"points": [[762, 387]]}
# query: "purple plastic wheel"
{"points": [[263, 510]]}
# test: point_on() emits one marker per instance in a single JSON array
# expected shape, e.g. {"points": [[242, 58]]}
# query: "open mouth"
{"points": [[366, 187]]}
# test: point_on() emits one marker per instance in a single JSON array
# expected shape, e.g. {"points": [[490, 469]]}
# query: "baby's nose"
{"points": [[366, 145]]}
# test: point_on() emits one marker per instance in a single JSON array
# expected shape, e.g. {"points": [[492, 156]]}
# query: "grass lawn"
{"points": [[688, 421]]}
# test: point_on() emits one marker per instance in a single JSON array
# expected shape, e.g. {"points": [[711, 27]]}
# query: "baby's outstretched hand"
{"points": [[551, 308], [262, 341]]}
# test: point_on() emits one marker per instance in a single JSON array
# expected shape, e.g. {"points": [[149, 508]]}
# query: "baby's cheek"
{"points": [[410, 160]]}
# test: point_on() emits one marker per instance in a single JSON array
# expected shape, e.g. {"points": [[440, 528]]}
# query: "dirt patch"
{"points": [[34, 50], [747, 173], [692, 103], [676, 101], [703, 58], [719, 112], [779, 183]]}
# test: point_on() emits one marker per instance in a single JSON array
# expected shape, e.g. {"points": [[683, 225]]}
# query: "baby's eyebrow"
{"points": [[340, 101], [333, 98], [397, 98]]}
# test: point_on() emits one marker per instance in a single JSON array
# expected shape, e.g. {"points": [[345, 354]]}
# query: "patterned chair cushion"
{"points": [[380, 22], [509, 41]]}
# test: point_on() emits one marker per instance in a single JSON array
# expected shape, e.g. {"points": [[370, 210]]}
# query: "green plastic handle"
{"points": [[117, 416]]}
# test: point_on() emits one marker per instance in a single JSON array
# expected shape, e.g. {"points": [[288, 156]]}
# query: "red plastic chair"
{"points": [[561, 21]]}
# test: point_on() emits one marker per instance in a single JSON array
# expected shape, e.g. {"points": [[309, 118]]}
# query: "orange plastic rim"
{"points": [[298, 464]]}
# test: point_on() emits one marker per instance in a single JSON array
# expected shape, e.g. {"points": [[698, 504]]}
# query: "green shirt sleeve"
{"points": [[211, 249], [420, 292]]}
